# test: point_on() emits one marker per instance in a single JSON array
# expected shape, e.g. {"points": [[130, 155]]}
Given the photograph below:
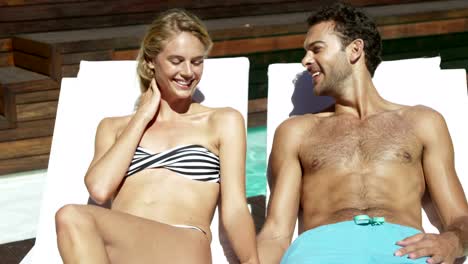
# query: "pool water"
{"points": [[256, 161]]}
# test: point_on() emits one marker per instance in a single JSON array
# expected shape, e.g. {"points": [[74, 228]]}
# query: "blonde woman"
{"points": [[165, 166]]}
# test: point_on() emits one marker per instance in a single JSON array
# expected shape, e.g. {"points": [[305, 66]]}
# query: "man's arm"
{"points": [[285, 184], [446, 193]]}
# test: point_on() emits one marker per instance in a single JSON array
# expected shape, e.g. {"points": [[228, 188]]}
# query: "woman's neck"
{"points": [[172, 110]]}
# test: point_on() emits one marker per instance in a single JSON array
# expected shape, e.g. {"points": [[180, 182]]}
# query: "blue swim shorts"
{"points": [[347, 242]]}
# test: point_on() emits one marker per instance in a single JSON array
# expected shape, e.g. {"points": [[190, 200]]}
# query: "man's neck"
{"points": [[359, 98]]}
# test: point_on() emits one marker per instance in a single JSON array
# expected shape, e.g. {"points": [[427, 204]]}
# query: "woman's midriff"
{"points": [[168, 198]]}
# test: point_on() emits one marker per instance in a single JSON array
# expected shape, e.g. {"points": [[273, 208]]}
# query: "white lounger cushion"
{"points": [[410, 82], [110, 88]]}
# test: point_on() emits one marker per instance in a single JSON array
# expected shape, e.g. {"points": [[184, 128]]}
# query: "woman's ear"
{"points": [[150, 64], [356, 49]]}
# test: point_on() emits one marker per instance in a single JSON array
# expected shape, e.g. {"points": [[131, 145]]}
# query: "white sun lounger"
{"points": [[110, 88]]}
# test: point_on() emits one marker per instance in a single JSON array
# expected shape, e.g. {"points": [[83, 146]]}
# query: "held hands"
{"points": [[150, 100], [440, 248]]}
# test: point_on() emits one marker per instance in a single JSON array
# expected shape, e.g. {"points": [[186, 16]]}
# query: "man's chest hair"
{"points": [[338, 140]]}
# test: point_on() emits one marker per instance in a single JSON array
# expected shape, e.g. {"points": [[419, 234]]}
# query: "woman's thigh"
{"points": [[132, 239]]}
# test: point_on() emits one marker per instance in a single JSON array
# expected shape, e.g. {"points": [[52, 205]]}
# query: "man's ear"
{"points": [[356, 50]]}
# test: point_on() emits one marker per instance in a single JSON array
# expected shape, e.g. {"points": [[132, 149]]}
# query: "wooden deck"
{"points": [[13, 253]]}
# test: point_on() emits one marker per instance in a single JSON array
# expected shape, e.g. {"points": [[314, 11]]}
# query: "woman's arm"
{"points": [[113, 153], [235, 214]]}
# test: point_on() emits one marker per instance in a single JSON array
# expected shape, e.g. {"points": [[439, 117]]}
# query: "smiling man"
{"points": [[358, 174]]}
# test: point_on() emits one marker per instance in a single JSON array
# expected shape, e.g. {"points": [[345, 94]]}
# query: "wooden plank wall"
{"points": [[6, 59], [60, 33], [32, 103], [27, 16], [233, 36], [6, 56]]}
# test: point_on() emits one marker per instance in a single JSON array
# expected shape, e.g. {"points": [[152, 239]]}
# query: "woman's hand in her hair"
{"points": [[150, 100]]}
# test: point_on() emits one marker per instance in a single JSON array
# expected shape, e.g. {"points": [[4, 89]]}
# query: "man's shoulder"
{"points": [[425, 120], [299, 121], [297, 126], [420, 112]]}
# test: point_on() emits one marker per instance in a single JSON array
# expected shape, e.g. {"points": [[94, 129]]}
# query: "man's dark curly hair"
{"points": [[351, 24]]}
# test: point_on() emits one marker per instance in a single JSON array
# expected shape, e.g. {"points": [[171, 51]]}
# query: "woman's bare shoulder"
{"points": [[226, 115], [114, 125], [225, 111]]}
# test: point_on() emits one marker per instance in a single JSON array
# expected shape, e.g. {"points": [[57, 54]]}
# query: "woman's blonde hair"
{"points": [[167, 25]]}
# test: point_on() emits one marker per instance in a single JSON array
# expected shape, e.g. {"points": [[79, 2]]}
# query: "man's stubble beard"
{"points": [[333, 84]]}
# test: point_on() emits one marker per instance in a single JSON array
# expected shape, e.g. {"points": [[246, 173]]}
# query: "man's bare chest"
{"points": [[349, 142]]}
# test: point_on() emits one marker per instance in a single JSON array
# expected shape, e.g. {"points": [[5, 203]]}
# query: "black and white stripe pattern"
{"points": [[191, 161]]}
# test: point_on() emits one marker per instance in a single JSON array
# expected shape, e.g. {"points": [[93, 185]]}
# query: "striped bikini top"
{"points": [[194, 162]]}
